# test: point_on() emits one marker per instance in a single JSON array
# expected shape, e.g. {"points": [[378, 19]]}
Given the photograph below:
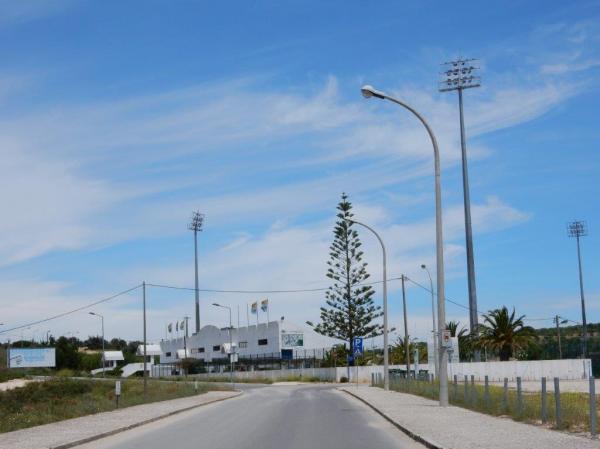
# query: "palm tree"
{"points": [[502, 332], [452, 326]]}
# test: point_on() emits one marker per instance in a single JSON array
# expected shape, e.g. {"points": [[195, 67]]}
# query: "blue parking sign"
{"points": [[357, 344]]}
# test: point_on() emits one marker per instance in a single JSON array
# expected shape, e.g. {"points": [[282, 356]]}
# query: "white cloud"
{"points": [[16, 12]]}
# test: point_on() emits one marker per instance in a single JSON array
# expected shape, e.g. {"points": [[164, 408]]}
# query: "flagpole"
{"points": [[247, 316]]}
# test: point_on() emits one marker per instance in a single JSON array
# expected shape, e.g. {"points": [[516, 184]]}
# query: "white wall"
{"points": [[496, 371], [527, 370]]}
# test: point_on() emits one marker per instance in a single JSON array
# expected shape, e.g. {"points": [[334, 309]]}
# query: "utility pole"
{"points": [[185, 334], [103, 352], [459, 75], [578, 229], [406, 342], [558, 322], [434, 331], [196, 226], [145, 342]]}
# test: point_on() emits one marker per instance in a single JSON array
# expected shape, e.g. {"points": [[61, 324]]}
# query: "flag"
{"points": [[264, 305], [182, 325], [254, 308], [170, 327]]}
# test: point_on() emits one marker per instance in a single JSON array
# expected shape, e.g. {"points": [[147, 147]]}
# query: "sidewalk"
{"points": [[459, 428], [68, 433]]}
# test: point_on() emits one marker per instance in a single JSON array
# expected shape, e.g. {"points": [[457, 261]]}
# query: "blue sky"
{"points": [[118, 119]]}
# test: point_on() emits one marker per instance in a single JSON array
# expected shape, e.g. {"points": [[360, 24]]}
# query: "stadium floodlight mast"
{"points": [[368, 92], [578, 229], [196, 225], [103, 354], [458, 75]]}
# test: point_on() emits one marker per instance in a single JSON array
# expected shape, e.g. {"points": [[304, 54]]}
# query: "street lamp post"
{"points": [[369, 91], [103, 355], [386, 363], [230, 341], [435, 358]]}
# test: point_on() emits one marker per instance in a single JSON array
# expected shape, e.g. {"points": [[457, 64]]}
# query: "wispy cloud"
{"points": [[16, 12]]}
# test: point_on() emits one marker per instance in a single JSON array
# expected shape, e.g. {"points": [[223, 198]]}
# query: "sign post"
{"points": [[117, 391], [357, 345]]}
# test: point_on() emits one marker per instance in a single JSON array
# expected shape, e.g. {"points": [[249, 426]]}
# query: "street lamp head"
{"points": [[92, 313], [369, 91], [216, 305], [423, 266]]}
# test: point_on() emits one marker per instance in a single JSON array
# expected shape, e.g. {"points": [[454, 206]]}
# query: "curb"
{"points": [[418, 438], [138, 424]]}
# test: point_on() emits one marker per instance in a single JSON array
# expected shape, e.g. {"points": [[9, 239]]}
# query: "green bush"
{"points": [[343, 379]]}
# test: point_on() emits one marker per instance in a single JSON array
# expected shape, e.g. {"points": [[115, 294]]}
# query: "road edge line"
{"points": [[418, 438], [139, 424]]}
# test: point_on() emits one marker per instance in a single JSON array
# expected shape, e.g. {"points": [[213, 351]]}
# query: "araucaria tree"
{"points": [[349, 311]]}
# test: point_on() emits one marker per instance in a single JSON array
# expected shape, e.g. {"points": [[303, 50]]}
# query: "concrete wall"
{"points": [[325, 374], [496, 371]]}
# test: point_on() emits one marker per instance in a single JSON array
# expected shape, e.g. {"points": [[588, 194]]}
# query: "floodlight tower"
{"points": [[196, 226], [578, 229], [458, 75]]}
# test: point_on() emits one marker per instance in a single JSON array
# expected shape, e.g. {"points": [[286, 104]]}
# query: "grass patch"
{"points": [[574, 407], [62, 398]]}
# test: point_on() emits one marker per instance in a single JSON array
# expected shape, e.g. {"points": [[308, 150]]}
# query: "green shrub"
{"points": [[343, 379]]}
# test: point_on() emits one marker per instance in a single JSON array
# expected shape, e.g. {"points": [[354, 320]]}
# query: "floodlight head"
{"points": [[196, 222], [577, 228], [369, 91]]}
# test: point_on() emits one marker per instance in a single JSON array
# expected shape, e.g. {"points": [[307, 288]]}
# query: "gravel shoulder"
{"points": [[14, 383], [68, 433], [458, 428]]}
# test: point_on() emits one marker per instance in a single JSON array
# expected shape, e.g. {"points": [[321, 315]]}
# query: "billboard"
{"points": [[291, 340], [32, 357]]}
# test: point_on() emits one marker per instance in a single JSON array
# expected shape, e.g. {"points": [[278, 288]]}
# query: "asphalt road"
{"points": [[275, 417]]}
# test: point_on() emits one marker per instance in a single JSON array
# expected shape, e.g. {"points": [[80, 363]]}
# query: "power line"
{"points": [[462, 305], [60, 315], [300, 290]]}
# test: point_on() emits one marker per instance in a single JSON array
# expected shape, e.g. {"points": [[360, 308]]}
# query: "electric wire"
{"points": [[79, 309]]}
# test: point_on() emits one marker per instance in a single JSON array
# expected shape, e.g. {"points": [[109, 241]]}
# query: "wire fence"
{"points": [[548, 406]]}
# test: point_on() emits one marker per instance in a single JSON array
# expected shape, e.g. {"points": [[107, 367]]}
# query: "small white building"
{"points": [[110, 361]]}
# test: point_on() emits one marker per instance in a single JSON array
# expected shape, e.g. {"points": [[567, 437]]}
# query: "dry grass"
{"points": [[62, 398]]}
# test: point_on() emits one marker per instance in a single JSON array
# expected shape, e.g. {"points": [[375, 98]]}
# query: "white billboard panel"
{"points": [[32, 357], [291, 340]]}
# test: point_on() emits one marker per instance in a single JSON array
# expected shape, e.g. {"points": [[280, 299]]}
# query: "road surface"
{"points": [[274, 417]]}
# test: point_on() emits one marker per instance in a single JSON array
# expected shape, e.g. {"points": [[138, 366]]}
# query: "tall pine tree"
{"points": [[349, 311]]}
